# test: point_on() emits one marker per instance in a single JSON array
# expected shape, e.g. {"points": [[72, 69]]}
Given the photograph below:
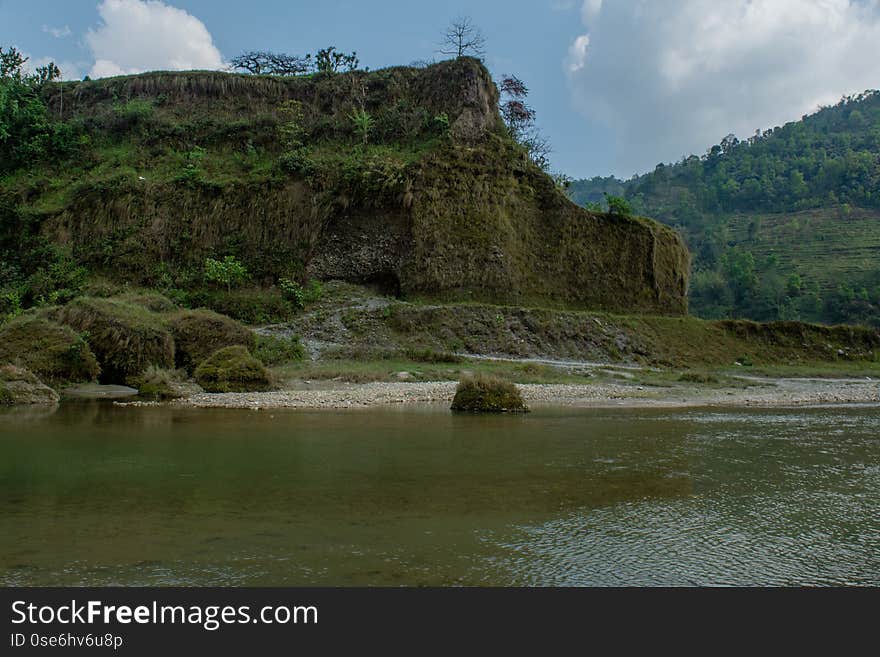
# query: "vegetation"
{"points": [[179, 168], [486, 394], [126, 338], [199, 333], [19, 386], [782, 225], [275, 350], [54, 352], [162, 385], [232, 369]]}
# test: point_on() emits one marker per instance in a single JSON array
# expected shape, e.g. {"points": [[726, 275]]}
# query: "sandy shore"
{"points": [[771, 392]]}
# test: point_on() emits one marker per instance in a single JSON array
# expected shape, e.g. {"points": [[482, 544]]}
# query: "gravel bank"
{"points": [[776, 392]]}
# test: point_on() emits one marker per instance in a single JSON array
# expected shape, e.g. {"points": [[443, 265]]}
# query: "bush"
{"points": [[154, 301], [232, 369], [488, 394], [125, 337], [199, 333], [54, 352], [249, 305], [431, 356], [228, 272], [160, 384], [275, 350]]}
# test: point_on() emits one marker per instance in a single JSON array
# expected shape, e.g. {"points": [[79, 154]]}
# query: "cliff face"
{"points": [[433, 201]]}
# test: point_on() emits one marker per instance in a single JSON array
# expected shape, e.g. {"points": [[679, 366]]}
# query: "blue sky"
{"points": [[618, 85]]}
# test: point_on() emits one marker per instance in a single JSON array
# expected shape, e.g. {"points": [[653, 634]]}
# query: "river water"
{"points": [[97, 494]]}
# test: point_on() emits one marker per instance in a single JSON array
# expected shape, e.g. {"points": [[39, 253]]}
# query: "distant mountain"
{"points": [[783, 225]]}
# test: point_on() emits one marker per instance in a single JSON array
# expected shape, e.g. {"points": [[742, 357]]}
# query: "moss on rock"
{"points": [[56, 353], [126, 338], [488, 394], [233, 369], [162, 385], [20, 386], [199, 333]]}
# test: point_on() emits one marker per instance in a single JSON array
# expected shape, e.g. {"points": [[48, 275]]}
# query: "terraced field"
{"points": [[826, 246]]}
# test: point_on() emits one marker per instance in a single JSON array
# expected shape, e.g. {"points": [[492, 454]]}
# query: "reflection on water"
{"points": [[97, 494]]}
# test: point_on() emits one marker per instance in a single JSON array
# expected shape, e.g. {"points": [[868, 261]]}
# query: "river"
{"points": [[97, 494]]}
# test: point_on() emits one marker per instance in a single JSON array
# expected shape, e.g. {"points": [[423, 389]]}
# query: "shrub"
{"points": [[232, 369], [160, 384], [56, 353], [431, 356], [125, 337], [154, 301], [228, 272], [199, 333], [248, 305], [276, 350], [488, 394]]}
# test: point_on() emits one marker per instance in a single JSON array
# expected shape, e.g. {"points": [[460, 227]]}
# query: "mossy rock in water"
{"points": [[126, 338], [199, 333], [54, 352], [233, 369], [162, 385], [20, 386], [488, 394]]}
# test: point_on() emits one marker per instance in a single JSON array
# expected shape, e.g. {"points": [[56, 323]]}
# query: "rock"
{"points": [[233, 369], [404, 376], [20, 386]]}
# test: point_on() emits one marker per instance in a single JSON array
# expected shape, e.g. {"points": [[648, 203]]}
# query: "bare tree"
{"points": [[463, 38], [260, 62]]}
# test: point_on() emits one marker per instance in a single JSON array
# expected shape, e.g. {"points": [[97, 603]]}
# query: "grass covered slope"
{"points": [[433, 201]]}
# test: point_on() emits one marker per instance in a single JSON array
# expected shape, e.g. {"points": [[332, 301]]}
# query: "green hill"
{"points": [[784, 225], [403, 178]]}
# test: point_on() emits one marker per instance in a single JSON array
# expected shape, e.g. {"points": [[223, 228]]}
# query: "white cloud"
{"points": [[673, 78], [577, 53], [58, 32], [146, 35]]}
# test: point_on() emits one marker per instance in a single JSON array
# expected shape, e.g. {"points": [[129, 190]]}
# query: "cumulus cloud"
{"points": [[673, 78], [145, 35]]}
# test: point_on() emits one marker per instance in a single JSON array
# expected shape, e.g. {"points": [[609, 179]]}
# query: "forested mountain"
{"points": [[783, 225]]}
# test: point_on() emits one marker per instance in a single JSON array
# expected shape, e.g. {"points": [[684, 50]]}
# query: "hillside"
{"points": [[783, 225], [404, 178]]}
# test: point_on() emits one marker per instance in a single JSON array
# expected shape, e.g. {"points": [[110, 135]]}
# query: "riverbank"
{"points": [[760, 392]]}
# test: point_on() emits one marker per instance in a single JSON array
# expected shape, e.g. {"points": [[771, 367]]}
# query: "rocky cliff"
{"points": [[429, 198]]}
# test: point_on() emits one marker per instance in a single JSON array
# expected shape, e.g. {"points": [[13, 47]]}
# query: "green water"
{"points": [[93, 493]]}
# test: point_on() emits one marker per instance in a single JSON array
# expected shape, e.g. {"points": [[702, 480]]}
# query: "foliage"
{"points": [[818, 169], [363, 124], [618, 206], [275, 350], [126, 338], [330, 60], [298, 295], [488, 394], [519, 118], [53, 351], [248, 305], [162, 384], [199, 333], [232, 369], [229, 272]]}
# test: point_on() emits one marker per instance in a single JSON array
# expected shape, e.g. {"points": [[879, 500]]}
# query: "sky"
{"points": [[618, 86]]}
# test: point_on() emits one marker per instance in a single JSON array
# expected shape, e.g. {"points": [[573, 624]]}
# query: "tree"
{"points": [[520, 120], [329, 60], [260, 62], [463, 38]]}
